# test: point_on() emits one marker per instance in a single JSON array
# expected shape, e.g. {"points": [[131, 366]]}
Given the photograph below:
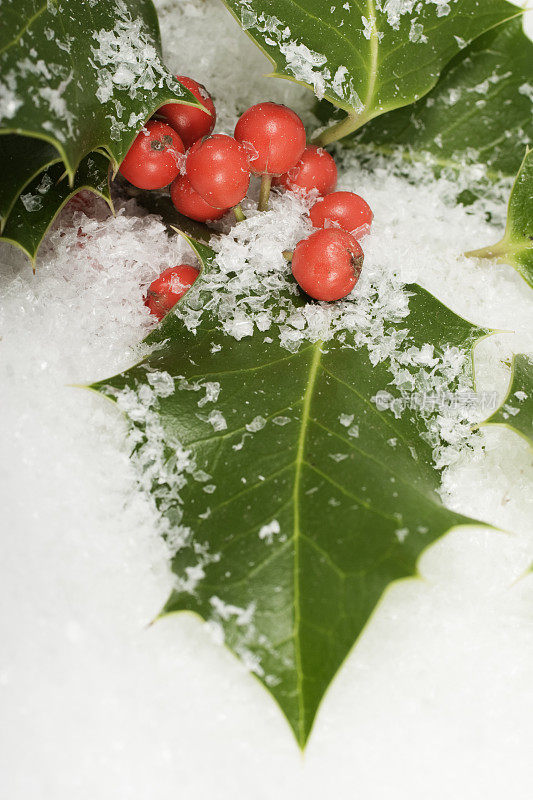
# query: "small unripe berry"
{"points": [[217, 168], [345, 209], [274, 137], [168, 288], [190, 203], [189, 122], [316, 170], [327, 264], [153, 160]]}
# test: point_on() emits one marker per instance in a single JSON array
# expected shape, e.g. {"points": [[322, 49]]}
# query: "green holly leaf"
{"points": [[516, 411], [22, 160], [82, 75], [478, 113], [293, 495], [516, 247], [366, 57], [42, 200]]}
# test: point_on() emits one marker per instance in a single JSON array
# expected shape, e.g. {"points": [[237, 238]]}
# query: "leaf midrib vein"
{"points": [[306, 408]]}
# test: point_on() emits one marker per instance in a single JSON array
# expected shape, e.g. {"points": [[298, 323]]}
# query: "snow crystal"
{"points": [[527, 90], [267, 532], [212, 391], [9, 102], [256, 424], [346, 419], [161, 382], [31, 202], [226, 611], [395, 9], [217, 420]]}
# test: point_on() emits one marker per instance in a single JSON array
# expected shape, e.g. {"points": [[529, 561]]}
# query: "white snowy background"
{"points": [[436, 700]]}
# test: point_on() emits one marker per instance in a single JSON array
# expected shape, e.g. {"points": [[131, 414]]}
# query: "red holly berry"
{"points": [[345, 209], [189, 122], [168, 288], [191, 204], [316, 170], [153, 160], [274, 137], [218, 170], [327, 265]]}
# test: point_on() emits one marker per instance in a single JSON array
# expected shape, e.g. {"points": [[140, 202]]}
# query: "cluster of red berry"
{"points": [[209, 174]]}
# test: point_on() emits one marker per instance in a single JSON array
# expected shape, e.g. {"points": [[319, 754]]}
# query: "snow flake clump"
{"points": [[305, 65], [127, 65]]}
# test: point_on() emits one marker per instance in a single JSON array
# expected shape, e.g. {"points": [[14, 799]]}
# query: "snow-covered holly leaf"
{"points": [[293, 494], [516, 247], [516, 411], [480, 111], [22, 160], [365, 56], [45, 196], [82, 75]]}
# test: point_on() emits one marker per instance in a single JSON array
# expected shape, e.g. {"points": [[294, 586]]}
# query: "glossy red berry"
{"points": [[153, 160], [191, 204], [169, 287], [345, 209], [217, 168], [327, 265], [189, 122], [274, 137], [316, 170]]}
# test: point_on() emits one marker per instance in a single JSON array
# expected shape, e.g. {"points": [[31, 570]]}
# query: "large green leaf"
{"points": [[516, 410], [516, 247], [82, 75], [480, 111], [45, 196], [366, 56], [22, 160], [293, 496]]}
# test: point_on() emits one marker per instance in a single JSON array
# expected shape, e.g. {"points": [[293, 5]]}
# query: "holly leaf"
{"points": [[366, 57], [478, 113], [35, 210], [22, 160], [516, 246], [293, 496], [516, 411], [82, 75]]}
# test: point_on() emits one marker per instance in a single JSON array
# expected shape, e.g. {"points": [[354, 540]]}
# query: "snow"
{"points": [[435, 701]]}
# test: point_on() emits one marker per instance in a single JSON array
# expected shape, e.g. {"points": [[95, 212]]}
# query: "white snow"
{"points": [[435, 701]]}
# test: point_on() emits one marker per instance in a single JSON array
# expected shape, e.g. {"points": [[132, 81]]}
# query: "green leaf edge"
{"points": [[490, 420], [503, 251], [4, 219], [107, 197]]}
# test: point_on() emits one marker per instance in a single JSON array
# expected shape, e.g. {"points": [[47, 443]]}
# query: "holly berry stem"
{"points": [[239, 213], [349, 124], [264, 193]]}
